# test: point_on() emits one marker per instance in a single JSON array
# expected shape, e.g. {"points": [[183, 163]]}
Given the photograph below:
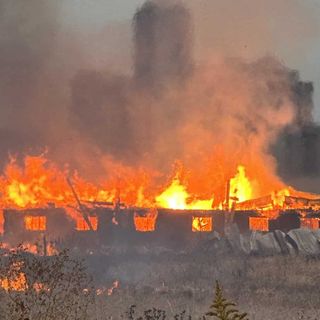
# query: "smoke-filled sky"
{"points": [[178, 82], [287, 29]]}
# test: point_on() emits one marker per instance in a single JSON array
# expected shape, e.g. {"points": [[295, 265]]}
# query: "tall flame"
{"points": [[240, 186], [177, 197], [39, 181]]}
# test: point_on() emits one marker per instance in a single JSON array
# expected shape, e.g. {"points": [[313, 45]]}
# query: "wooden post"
{"points": [[83, 209], [227, 206], [45, 245]]}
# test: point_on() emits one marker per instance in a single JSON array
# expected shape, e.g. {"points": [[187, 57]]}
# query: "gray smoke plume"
{"points": [[163, 45], [171, 107], [27, 38], [117, 112]]}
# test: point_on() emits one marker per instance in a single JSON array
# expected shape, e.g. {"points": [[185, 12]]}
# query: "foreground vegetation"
{"points": [[166, 285]]}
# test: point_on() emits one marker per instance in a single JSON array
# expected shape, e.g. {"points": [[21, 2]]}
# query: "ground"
{"points": [[274, 287]]}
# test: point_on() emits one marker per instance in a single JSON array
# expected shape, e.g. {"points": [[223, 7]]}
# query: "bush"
{"points": [[223, 309], [38, 288]]}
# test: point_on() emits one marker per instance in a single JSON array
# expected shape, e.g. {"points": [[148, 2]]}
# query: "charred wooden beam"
{"points": [[104, 203], [291, 201], [259, 203], [83, 209]]}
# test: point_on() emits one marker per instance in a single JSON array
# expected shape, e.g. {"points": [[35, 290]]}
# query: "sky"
{"points": [[287, 29]]}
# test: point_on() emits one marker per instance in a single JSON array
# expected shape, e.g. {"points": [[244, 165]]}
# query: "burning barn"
{"points": [[107, 226], [29, 224], [40, 209], [97, 225], [218, 120]]}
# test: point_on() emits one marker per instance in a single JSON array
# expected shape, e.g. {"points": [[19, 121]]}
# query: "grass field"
{"points": [[176, 281], [278, 287]]}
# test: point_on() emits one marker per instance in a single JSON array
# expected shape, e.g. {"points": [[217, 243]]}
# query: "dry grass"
{"points": [[276, 287]]}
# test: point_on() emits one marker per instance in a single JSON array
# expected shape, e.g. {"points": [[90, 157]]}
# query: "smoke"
{"points": [[288, 29], [38, 56], [33, 78], [218, 114], [163, 45], [27, 37], [210, 115]]}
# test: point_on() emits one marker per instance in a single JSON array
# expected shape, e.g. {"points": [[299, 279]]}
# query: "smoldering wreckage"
{"points": [[232, 193]]}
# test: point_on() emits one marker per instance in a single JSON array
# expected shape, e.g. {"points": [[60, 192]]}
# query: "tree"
{"points": [[223, 309]]}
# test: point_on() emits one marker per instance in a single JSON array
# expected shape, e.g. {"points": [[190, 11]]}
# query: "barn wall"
{"points": [[58, 225]]}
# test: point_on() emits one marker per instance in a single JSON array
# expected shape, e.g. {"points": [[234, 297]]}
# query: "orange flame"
{"points": [[201, 224], [35, 223], [15, 284], [16, 281], [240, 186], [38, 182], [177, 197], [147, 222], [278, 197], [82, 225]]}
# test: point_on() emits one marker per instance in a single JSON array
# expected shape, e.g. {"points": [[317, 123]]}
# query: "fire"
{"points": [[31, 185], [146, 222], [278, 197], [16, 284], [16, 281], [35, 223], [177, 197], [240, 186], [259, 223], [82, 225], [38, 182], [310, 223], [201, 224]]}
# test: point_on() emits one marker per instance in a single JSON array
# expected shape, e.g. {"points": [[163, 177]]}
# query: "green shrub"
{"points": [[223, 309]]}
